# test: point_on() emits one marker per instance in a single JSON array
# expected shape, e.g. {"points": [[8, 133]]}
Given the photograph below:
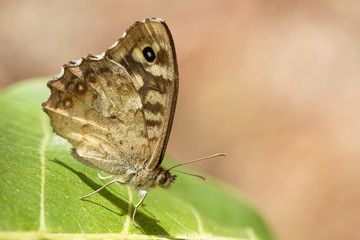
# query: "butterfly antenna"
{"points": [[198, 160], [190, 174]]}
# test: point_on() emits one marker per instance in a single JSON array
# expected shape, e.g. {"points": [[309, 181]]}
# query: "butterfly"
{"points": [[117, 108]]}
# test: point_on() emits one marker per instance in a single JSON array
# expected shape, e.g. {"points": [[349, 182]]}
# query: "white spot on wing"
{"points": [[67, 103], [155, 19], [76, 63], [154, 97], [156, 47], [100, 56], [60, 75], [153, 117], [114, 45], [152, 20], [138, 81], [132, 104], [158, 70], [137, 55], [153, 131], [91, 57]]}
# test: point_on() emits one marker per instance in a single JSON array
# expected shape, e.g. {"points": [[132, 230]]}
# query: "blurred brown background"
{"points": [[272, 83]]}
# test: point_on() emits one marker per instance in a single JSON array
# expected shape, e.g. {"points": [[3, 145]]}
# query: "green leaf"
{"points": [[40, 186]]}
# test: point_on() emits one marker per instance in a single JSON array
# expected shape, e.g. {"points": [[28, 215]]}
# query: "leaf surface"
{"points": [[40, 186]]}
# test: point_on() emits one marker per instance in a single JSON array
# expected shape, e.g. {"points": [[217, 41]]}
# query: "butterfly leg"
{"points": [[104, 178], [106, 185], [143, 193]]}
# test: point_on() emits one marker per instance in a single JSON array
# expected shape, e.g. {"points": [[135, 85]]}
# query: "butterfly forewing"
{"points": [[117, 109], [156, 81]]}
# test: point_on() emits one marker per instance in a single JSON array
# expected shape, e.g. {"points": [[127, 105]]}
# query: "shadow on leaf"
{"points": [[147, 225]]}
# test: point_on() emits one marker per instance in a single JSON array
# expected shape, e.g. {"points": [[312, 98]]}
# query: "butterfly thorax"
{"points": [[146, 180]]}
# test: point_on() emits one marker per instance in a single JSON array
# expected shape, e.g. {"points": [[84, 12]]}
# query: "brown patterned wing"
{"points": [[117, 109], [95, 106], [147, 52]]}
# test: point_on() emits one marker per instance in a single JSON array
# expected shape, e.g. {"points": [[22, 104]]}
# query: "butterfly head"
{"points": [[164, 179]]}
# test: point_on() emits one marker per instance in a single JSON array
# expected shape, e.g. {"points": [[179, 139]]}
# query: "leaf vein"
{"points": [[23, 235], [128, 216], [44, 142], [198, 219]]}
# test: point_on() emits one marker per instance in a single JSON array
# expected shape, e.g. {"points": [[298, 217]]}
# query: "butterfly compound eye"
{"points": [[162, 178], [149, 54]]}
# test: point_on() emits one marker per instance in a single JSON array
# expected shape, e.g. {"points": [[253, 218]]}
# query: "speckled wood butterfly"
{"points": [[117, 108]]}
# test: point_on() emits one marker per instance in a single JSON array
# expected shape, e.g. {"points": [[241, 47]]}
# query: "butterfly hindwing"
{"points": [[107, 132]]}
